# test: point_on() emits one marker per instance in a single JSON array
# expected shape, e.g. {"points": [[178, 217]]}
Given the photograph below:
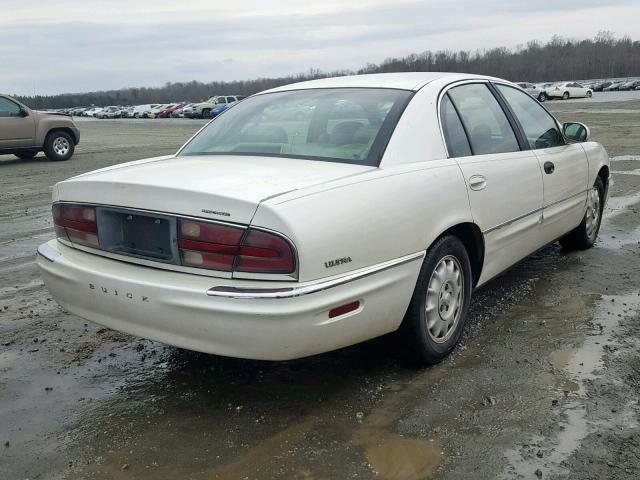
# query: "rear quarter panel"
{"points": [[385, 214]]}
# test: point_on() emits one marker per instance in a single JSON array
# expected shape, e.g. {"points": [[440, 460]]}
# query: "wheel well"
{"points": [[62, 129], [604, 176], [471, 236]]}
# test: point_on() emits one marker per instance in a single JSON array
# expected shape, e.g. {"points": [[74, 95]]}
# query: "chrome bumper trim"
{"points": [[290, 292], [49, 253]]}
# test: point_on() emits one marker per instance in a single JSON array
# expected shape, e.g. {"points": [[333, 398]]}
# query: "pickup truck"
{"points": [[24, 132]]}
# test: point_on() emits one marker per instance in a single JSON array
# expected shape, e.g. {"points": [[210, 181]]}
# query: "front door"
{"points": [[16, 129], [564, 166]]}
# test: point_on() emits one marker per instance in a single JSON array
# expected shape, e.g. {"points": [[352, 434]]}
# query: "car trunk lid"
{"points": [[224, 187]]}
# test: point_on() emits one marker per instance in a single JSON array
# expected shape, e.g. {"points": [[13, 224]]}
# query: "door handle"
{"points": [[477, 182], [549, 168]]}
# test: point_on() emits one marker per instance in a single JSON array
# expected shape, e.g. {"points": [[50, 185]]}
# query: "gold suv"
{"points": [[24, 132]]}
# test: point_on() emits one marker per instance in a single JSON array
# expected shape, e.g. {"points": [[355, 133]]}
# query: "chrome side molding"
{"points": [[290, 292]]}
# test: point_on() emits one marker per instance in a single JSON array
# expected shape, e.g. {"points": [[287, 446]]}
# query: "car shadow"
{"points": [[12, 160]]}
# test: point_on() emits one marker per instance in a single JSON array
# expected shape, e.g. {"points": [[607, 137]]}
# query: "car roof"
{"points": [[404, 81]]}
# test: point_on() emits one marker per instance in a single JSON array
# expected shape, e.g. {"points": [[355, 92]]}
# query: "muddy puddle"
{"points": [[580, 366]]}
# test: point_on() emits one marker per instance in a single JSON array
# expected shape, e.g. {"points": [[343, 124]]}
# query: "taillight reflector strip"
{"points": [[344, 309]]}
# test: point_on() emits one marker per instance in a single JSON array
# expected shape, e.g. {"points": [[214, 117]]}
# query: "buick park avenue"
{"points": [[271, 235]]}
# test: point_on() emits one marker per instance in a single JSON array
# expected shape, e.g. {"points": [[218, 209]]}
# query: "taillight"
{"points": [[227, 248], [76, 223]]}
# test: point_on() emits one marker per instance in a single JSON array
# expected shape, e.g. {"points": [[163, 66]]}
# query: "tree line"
{"points": [[604, 56]]}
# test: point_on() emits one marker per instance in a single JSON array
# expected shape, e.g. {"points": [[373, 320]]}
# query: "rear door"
{"points": [[565, 166], [504, 183], [17, 128]]}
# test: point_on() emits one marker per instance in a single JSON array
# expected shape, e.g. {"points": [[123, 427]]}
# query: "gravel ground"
{"points": [[544, 385]]}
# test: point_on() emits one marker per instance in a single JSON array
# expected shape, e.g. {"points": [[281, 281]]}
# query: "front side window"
{"points": [[539, 127], [346, 125], [484, 120], [8, 108]]}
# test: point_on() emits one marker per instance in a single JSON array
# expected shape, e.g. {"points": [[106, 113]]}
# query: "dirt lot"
{"points": [[545, 384]]}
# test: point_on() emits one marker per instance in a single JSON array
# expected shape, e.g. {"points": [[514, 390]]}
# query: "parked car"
{"points": [[542, 89], [533, 90], [223, 108], [568, 90], [598, 86], [92, 111], [78, 111], [142, 111], [613, 87], [257, 241], [109, 112], [180, 112], [630, 85], [126, 112], [24, 132], [166, 112], [155, 110]]}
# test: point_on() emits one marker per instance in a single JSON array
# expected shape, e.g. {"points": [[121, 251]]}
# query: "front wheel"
{"points": [[565, 96], [438, 310], [58, 146], [589, 94], [585, 234], [206, 113]]}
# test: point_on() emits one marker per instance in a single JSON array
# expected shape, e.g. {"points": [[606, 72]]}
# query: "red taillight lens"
{"points": [[208, 245], [264, 252], [227, 248], [76, 223]]}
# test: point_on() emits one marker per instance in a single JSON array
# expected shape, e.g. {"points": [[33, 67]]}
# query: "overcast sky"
{"points": [[86, 45]]}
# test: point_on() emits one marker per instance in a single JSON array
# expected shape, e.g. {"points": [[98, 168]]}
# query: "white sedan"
{"points": [[568, 90], [280, 236]]}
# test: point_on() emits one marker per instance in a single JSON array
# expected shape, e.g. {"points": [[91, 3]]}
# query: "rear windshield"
{"points": [[346, 125]]}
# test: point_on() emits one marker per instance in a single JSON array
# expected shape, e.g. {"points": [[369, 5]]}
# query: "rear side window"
{"points": [[454, 134], [539, 127], [8, 108], [484, 120]]}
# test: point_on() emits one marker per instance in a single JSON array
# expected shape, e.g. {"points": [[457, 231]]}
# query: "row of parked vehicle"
{"points": [[213, 107], [567, 90]]}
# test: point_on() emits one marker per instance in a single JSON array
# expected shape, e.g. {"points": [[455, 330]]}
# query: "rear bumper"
{"points": [[229, 317]]}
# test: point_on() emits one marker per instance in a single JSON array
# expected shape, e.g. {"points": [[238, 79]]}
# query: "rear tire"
{"points": [[58, 146], [542, 97], [589, 94], [584, 235], [438, 310], [26, 154]]}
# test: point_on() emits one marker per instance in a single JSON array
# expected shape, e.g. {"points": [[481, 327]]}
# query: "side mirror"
{"points": [[575, 132], [23, 112]]}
